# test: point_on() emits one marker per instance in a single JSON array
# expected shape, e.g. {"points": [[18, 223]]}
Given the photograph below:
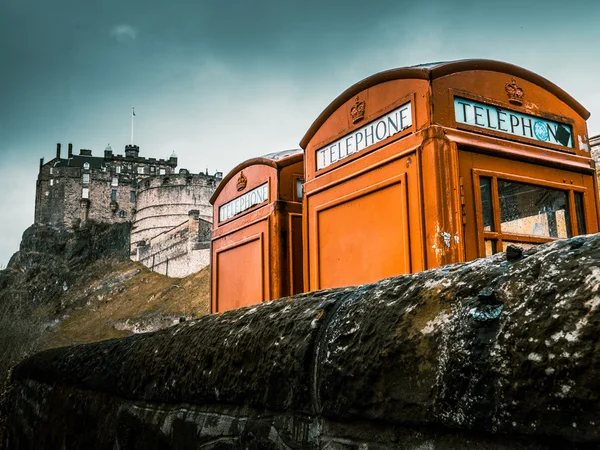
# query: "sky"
{"points": [[219, 82]]}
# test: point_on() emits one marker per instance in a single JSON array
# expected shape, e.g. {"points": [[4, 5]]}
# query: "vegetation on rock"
{"points": [[73, 285]]}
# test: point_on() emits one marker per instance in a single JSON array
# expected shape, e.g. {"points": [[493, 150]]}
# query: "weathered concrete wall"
{"points": [[491, 354]]}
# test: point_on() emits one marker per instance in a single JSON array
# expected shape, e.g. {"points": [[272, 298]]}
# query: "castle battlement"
{"points": [[145, 191]]}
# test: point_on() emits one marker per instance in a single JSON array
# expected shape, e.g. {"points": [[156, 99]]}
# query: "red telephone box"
{"points": [[257, 233], [422, 166]]}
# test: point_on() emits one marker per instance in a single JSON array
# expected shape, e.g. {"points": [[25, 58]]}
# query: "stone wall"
{"points": [[595, 153], [164, 203], [60, 197], [492, 354], [595, 148], [180, 251]]}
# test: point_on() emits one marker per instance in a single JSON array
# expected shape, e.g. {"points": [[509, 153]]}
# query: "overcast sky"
{"points": [[219, 82]]}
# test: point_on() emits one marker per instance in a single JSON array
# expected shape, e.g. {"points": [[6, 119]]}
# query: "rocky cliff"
{"points": [[493, 354], [74, 285]]}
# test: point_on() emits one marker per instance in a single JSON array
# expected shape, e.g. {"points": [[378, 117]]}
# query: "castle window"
{"points": [[85, 193], [140, 169], [115, 181], [86, 178], [86, 166], [152, 169], [47, 193], [103, 168], [51, 182], [132, 196], [122, 214], [118, 169], [161, 171], [51, 170], [113, 195]]}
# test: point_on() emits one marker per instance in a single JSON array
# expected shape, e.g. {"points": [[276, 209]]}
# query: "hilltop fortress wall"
{"points": [[170, 212], [172, 224]]}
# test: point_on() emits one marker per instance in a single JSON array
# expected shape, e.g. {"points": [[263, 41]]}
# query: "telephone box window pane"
{"points": [[485, 185], [490, 247], [579, 213], [533, 210], [299, 189]]}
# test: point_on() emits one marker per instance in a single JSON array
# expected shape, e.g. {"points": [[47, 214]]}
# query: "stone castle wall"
{"points": [[180, 251], [144, 191], [164, 202], [83, 187], [595, 149]]}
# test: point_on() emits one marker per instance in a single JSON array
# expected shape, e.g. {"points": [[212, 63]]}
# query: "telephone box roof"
{"points": [[276, 160], [435, 70]]}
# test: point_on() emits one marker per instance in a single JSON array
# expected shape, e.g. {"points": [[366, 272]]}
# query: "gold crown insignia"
{"points": [[241, 182], [515, 93], [357, 111]]}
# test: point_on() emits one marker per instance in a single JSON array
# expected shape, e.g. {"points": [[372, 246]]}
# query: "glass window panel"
{"points": [[490, 247], [533, 210], [485, 185], [299, 189], [579, 213]]}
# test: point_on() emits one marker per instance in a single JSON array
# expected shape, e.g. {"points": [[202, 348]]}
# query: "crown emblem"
{"points": [[515, 93], [357, 111], [241, 182]]}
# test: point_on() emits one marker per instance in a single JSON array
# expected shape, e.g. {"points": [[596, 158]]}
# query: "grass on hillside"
{"points": [[115, 299]]}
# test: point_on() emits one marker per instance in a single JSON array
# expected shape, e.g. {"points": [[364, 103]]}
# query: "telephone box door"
{"points": [[511, 202]]}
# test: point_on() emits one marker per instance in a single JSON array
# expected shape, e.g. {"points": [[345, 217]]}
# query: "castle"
{"points": [[170, 213]]}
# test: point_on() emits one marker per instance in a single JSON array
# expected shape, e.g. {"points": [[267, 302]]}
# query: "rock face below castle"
{"points": [[499, 353]]}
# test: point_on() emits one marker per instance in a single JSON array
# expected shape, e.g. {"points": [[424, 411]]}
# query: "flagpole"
{"points": [[132, 116]]}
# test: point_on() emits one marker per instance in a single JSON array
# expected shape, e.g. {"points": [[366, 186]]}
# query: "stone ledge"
{"points": [[492, 348]]}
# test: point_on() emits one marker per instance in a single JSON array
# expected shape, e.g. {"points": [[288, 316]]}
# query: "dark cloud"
{"points": [[220, 82]]}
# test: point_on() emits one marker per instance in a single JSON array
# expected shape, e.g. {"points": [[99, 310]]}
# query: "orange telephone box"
{"points": [[256, 250], [422, 166]]}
